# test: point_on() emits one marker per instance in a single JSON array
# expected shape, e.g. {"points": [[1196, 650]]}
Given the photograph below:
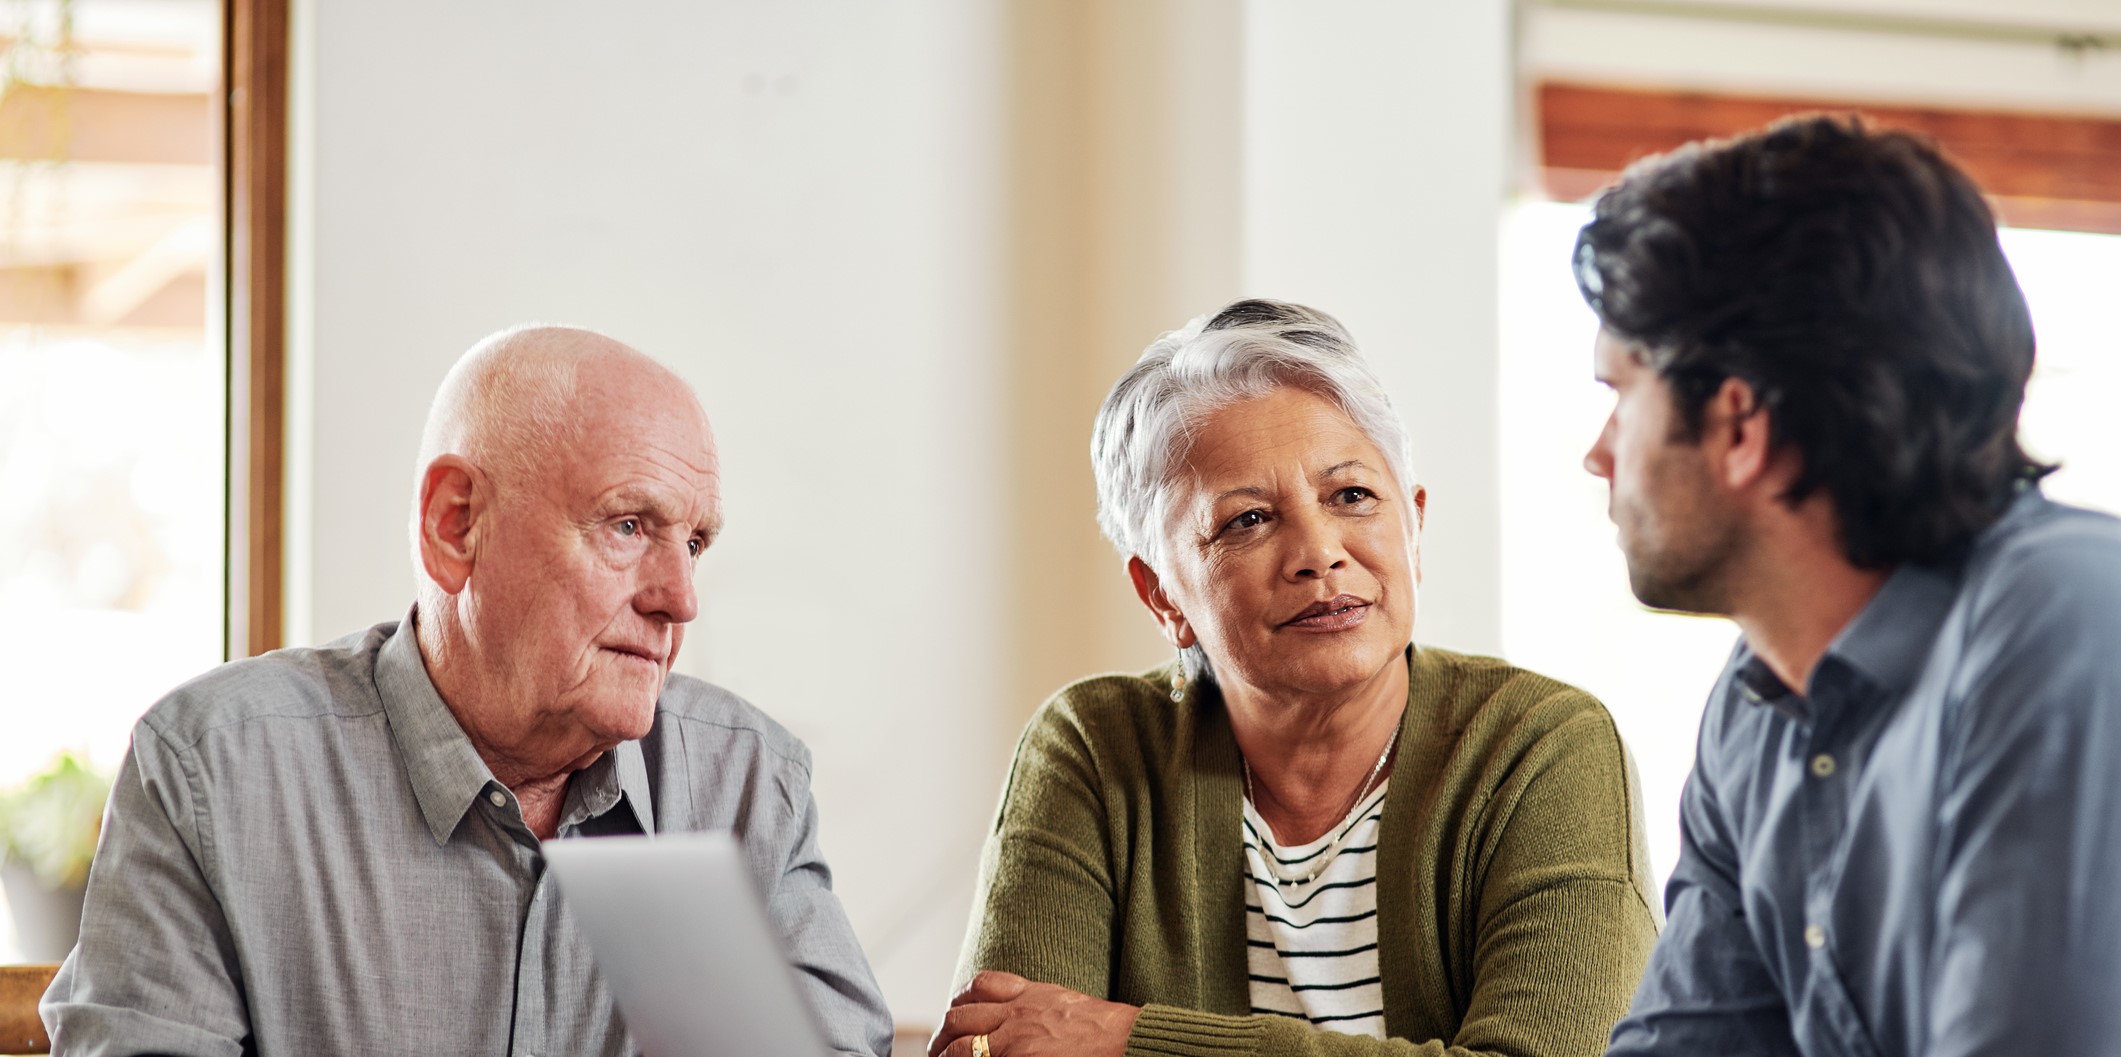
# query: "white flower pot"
{"points": [[47, 921]]}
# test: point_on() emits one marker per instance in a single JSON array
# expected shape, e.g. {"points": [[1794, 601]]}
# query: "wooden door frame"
{"points": [[254, 170]]}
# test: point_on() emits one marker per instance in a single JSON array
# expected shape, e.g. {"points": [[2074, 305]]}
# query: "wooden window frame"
{"points": [[254, 170], [2039, 169]]}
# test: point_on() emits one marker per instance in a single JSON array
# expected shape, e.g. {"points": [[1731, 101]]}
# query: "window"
{"points": [[112, 384], [140, 287]]}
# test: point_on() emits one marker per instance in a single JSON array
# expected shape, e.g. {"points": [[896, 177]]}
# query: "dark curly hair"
{"points": [[1852, 277]]}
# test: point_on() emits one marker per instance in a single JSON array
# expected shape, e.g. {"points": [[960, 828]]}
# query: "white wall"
{"points": [[796, 205], [1377, 146], [901, 250]]}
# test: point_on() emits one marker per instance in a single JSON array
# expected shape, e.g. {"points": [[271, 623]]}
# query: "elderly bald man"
{"points": [[335, 850]]}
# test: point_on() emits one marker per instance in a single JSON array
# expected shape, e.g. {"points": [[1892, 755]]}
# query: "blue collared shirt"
{"points": [[1921, 853]]}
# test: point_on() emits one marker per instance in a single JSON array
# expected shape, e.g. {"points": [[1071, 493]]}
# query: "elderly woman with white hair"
{"points": [[1308, 834]]}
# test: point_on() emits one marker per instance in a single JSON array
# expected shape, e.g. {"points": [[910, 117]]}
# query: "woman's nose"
{"points": [[1315, 549]]}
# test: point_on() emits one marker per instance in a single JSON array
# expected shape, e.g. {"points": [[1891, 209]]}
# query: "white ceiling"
{"points": [[2036, 55], [2055, 16]]}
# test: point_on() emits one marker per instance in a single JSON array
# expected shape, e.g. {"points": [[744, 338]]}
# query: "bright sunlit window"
{"points": [[1567, 610], [112, 480]]}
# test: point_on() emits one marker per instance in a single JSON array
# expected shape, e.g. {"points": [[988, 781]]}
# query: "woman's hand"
{"points": [[1024, 1019]]}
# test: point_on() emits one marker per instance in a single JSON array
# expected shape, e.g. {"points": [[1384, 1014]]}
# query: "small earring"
{"points": [[1178, 680]]}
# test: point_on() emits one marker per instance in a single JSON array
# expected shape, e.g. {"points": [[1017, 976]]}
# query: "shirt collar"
{"points": [[1890, 639], [1884, 647], [618, 776], [446, 772]]}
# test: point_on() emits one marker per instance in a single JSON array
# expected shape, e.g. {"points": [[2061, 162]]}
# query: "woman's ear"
{"points": [[1150, 589], [1421, 519], [452, 505]]}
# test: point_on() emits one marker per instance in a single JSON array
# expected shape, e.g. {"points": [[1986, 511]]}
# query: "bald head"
{"points": [[512, 400], [520, 400], [567, 488]]}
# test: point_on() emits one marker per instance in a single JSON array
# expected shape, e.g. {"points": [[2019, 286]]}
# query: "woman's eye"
{"points": [[1248, 519], [1354, 494]]}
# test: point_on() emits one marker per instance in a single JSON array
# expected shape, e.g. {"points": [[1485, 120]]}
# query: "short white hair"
{"points": [[1244, 351]]}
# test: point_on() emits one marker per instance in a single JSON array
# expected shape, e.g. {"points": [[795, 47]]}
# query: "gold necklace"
{"points": [[1332, 850]]}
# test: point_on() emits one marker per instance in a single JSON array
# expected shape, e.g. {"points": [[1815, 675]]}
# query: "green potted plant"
{"points": [[48, 829]]}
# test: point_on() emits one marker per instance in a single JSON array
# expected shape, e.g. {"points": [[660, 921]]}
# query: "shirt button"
{"points": [[1823, 765], [1814, 937], [500, 799]]}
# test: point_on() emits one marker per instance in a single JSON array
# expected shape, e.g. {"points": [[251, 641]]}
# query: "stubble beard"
{"points": [[1683, 545], [1685, 575]]}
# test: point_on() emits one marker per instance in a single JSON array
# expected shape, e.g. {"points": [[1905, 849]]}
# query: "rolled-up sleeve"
{"points": [[155, 971]]}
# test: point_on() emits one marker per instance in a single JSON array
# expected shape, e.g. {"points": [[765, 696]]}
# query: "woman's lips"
{"points": [[1335, 614]]}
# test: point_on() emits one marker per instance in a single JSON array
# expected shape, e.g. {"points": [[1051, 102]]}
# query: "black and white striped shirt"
{"points": [[1312, 948]]}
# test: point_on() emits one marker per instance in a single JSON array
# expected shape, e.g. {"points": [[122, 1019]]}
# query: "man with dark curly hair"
{"points": [[1902, 834]]}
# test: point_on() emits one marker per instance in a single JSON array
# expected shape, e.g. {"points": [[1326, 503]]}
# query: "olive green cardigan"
{"points": [[1514, 912]]}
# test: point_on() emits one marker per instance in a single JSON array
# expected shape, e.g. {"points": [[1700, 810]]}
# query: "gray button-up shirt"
{"points": [[304, 855], [1921, 853]]}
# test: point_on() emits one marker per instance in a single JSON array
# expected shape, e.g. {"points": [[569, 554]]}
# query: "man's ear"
{"points": [[1741, 435], [453, 496], [1150, 589]]}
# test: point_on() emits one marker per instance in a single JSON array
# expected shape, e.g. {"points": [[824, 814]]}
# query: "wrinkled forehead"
{"points": [[662, 447], [1288, 438]]}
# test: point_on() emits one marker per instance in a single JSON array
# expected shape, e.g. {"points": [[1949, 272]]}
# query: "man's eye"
{"points": [[629, 526], [695, 546]]}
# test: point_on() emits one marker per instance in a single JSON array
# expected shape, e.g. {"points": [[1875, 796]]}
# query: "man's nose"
{"points": [[666, 589], [1598, 461]]}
